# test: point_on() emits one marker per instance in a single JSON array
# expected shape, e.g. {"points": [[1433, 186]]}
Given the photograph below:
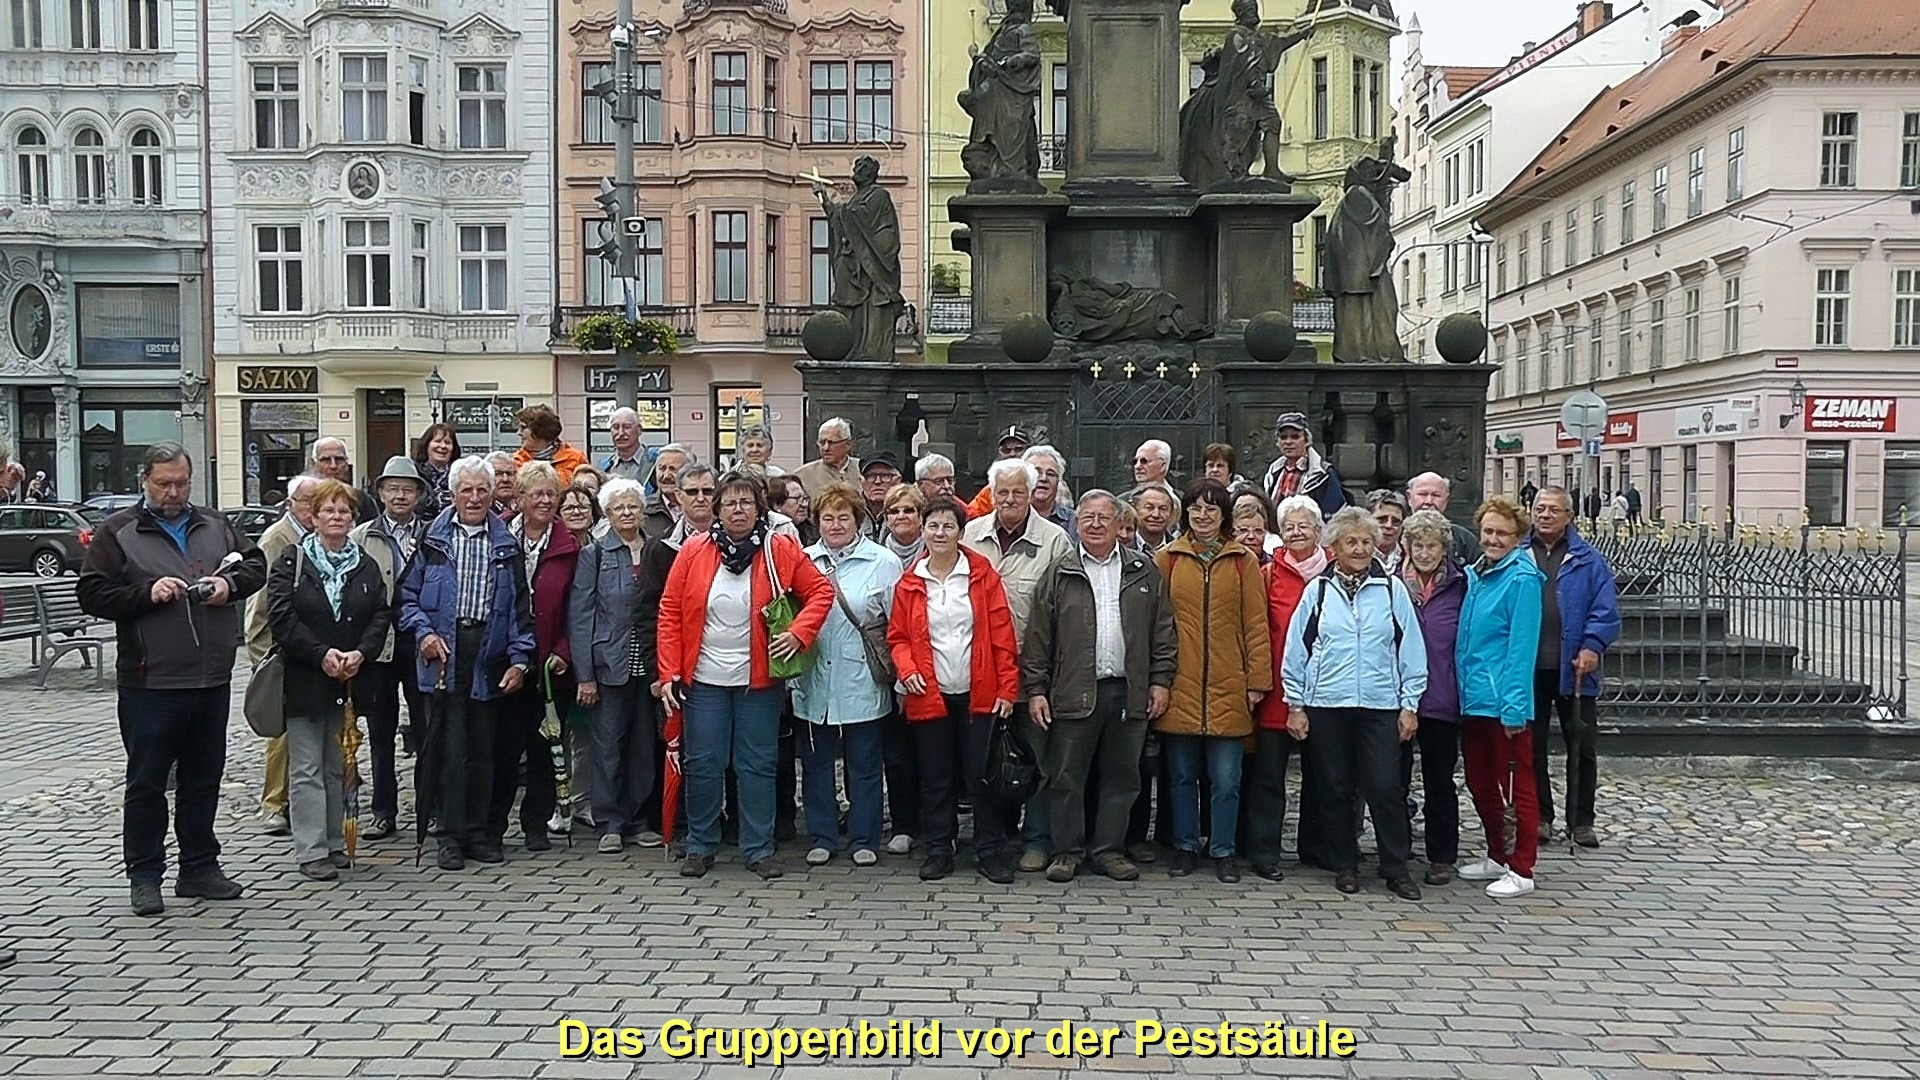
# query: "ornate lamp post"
{"points": [[436, 390]]}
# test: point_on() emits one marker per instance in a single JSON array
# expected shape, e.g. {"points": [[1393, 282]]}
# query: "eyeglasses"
{"points": [[834, 442], [738, 504], [174, 485], [333, 459], [1549, 510], [697, 493], [1096, 518]]}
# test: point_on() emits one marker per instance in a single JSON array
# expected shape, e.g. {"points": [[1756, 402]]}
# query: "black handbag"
{"points": [[1013, 772]]}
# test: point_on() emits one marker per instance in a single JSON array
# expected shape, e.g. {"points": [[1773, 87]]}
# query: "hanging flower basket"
{"points": [[605, 333]]}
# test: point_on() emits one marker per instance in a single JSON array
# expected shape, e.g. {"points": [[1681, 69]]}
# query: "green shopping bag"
{"points": [[780, 613]]}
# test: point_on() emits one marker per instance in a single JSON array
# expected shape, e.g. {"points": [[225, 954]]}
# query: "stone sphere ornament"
{"points": [[1026, 339], [1270, 337], [1461, 338], [828, 336]]}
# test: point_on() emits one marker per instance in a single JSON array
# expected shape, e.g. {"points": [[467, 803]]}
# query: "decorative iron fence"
{"points": [[1755, 624]]}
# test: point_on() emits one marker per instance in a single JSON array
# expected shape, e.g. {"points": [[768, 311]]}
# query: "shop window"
{"points": [[656, 424], [1690, 483], [1902, 503], [735, 409], [1826, 483], [129, 325]]}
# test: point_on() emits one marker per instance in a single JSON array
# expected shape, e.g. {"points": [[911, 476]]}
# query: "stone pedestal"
{"points": [[1253, 253], [1123, 126], [1007, 242]]}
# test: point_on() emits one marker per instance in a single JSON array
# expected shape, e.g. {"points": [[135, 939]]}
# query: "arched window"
{"points": [[33, 172], [147, 187], [89, 167]]}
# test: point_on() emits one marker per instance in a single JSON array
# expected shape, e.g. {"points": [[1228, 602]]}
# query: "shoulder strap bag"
{"points": [[265, 705], [873, 638]]}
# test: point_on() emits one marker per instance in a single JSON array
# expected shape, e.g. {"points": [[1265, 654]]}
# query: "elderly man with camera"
{"points": [[170, 576]]}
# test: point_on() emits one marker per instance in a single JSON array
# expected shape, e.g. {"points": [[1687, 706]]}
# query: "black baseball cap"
{"points": [[1295, 420], [1016, 433], [884, 457]]}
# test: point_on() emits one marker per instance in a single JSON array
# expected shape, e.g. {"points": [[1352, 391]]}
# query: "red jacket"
{"points": [[1284, 586], [995, 666], [683, 604], [552, 591]]}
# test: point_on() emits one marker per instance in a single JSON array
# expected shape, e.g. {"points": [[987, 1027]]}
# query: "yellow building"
{"points": [[1332, 91]]}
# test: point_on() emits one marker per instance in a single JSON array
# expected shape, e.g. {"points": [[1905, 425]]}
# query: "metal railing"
{"points": [[1053, 153], [1753, 624], [785, 321], [1313, 316], [680, 317]]}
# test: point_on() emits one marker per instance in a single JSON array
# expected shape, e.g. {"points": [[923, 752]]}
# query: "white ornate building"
{"points": [[102, 237], [382, 176]]}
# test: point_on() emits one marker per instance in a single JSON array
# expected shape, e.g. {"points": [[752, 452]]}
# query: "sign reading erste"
{"points": [[1857, 415]]}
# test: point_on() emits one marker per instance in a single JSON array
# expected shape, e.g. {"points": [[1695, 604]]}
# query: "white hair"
{"points": [[299, 484], [931, 462], [1010, 467], [836, 427], [675, 448], [499, 459], [1044, 450], [1298, 504], [1160, 450], [619, 488], [472, 463], [1431, 478], [1352, 519], [324, 440], [620, 412]]}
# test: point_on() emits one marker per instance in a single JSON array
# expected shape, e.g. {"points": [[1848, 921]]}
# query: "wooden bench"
{"points": [[47, 615]]}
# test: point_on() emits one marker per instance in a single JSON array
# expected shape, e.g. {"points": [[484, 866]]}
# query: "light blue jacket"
{"points": [[1341, 653], [839, 688], [1499, 637]]}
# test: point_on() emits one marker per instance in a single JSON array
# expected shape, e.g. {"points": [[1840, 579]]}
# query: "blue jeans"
{"points": [[820, 747], [734, 722], [1186, 756]]}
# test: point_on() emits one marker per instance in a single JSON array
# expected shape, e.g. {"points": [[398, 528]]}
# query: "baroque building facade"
{"points": [[382, 222], [744, 102], [103, 247]]}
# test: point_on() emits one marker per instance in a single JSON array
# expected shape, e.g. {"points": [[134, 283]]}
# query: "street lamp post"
{"points": [[436, 392]]}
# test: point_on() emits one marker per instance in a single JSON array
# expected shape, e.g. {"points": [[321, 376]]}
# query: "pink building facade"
{"points": [[747, 99], [1725, 247]]}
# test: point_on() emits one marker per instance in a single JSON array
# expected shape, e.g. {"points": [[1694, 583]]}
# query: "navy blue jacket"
{"points": [[430, 604], [1589, 610]]}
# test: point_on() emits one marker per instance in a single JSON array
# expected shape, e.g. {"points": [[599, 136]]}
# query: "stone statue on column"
{"points": [[1002, 154], [863, 238], [1231, 120], [1357, 262]]}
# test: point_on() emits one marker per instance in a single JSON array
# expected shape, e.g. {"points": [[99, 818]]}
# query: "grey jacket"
{"points": [[1057, 651], [378, 543], [600, 618]]}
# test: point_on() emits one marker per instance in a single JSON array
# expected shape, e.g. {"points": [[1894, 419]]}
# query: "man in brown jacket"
{"points": [[1096, 664]]}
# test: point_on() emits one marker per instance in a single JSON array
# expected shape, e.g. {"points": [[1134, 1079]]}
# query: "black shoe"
{"points": [[1142, 853], [696, 865], [1404, 888], [7, 956], [486, 851], [937, 865], [382, 828], [1227, 869], [537, 841], [767, 869], [997, 869], [1183, 864], [1269, 870], [208, 885], [1584, 836], [146, 898], [406, 739], [1440, 873], [450, 858], [1347, 882]]}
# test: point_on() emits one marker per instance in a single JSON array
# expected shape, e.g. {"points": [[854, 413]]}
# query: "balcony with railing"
{"points": [[407, 331], [785, 321], [699, 7], [70, 219], [680, 317]]}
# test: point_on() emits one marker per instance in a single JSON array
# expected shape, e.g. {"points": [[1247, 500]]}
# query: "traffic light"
{"points": [[619, 241], [609, 200]]}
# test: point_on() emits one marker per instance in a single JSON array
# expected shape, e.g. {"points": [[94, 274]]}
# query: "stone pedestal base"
{"points": [[1007, 242], [1253, 245]]}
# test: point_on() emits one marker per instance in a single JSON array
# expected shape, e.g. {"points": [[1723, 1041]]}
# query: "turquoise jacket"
{"points": [[1499, 637], [839, 688]]}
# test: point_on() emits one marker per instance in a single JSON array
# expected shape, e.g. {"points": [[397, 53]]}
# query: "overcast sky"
{"points": [[1478, 33]]}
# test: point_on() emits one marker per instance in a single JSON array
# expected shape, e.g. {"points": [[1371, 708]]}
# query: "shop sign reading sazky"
{"points": [[269, 379]]}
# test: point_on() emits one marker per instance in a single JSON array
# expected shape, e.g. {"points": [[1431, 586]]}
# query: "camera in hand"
{"points": [[200, 592]]}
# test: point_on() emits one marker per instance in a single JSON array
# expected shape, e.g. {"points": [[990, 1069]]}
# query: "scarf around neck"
{"points": [[1309, 567], [906, 552], [737, 555], [531, 550], [333, 567]]}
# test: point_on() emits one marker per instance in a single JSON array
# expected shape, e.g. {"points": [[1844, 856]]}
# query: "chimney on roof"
{"points": [[1680, 36], [1594, 14]]}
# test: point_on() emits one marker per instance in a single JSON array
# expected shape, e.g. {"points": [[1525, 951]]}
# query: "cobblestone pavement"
{"points": [[1731, 927]]}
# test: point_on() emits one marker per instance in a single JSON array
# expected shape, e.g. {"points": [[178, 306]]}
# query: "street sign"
{"points": [[1585, 416], [634, 226], [1593, 448]]}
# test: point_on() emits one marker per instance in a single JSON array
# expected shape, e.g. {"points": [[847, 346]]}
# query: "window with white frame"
{"points": [[279, 269], [770, 97], [369, 251], [1523, 249], [32, 167], [276, 107], [1322, 99], [1833, 292], [1520, 360], [729, 74], [873, 101], [1839, 149], [827, 104], [1475, 255], [1450, 274], [483, 268], [1420, 280], [1690, 326], [145, 157], [819, 262], [1573, 236], [89, 167], [1736, 164], [363, 98], [1596, 347], [25, 30], [1628, 192], [1599, 225], [1696, 182], [1656, 333], [1450, 181], [596, 112], [481, 92], [1406, 278], [1910, 150], [1623, 343], [729, 257], [83, 24], [420, 265], [1546, 248], [1730, 316], [1477, 167], [419, 79], [1569, 353], [1499, 366], [1660, 189], [143, 24], [1906, 308]]}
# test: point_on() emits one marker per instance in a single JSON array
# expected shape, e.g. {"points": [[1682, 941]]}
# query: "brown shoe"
{"points": [[319, 870], [1119, 868], [1032, 862], [1583, 835], [1142, 853], [339, 860], [1062, 869], [1440, 873]]}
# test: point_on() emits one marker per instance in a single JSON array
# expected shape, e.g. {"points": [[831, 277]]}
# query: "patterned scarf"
{"points": [[333, 567], [737, 555], [530, 550], [1349, 583]]}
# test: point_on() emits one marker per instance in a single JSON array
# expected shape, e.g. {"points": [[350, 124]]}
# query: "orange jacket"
{"points": [[1284, 586], [995, 661], [565, 459], [683, 604], [981, 505]]}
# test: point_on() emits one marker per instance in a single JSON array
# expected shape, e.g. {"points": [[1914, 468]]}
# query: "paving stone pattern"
{"points": [[1731, 927]]}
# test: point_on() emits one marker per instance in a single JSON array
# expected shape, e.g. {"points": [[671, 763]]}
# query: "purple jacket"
{"points": [[1439, 624]]}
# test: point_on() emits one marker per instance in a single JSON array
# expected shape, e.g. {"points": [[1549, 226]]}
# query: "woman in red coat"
{"points": [[1299, 559], [952, 641], [713, 649]]}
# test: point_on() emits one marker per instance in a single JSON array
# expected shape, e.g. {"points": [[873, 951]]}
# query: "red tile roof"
{"points": [[1462, 79], [1756, 30]]}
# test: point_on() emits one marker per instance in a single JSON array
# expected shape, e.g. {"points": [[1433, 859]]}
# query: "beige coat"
{"points": [[1026, 565], [279, 537]]}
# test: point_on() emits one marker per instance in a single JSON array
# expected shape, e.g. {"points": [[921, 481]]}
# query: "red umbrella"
{"points": [[670, 789]]}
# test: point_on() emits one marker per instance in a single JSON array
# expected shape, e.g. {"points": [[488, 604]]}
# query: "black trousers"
{"points": [[393, 682], [1265, 784], [181, 731], [463, 748], [517, 737], [1439, 756], [1311, 843], [1153, 807], [903, 775], [1580, 732], [1360, 759], [952, 755]]}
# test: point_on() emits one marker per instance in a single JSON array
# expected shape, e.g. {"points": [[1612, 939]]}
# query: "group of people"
{"points": [[785, 641]]}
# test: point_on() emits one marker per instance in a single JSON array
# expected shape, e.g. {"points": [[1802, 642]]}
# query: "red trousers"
{"points": [[1499, 774]]}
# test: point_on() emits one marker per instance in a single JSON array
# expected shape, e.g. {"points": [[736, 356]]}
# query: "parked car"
{"points": [[251, 521], [108, 504], [46, 539]]}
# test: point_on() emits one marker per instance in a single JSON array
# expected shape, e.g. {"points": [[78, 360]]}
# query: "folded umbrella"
{"points": [[553, 728], [670, 784], [350, 775], [426, 763]]}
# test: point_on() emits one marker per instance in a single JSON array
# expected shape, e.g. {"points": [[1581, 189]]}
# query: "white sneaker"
{"points": [[649, 838], [865, 857], [559, 823], [1484, 870], [611, 844], [819, 857], [275, 825], [900, 844], [1509, 886]]}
